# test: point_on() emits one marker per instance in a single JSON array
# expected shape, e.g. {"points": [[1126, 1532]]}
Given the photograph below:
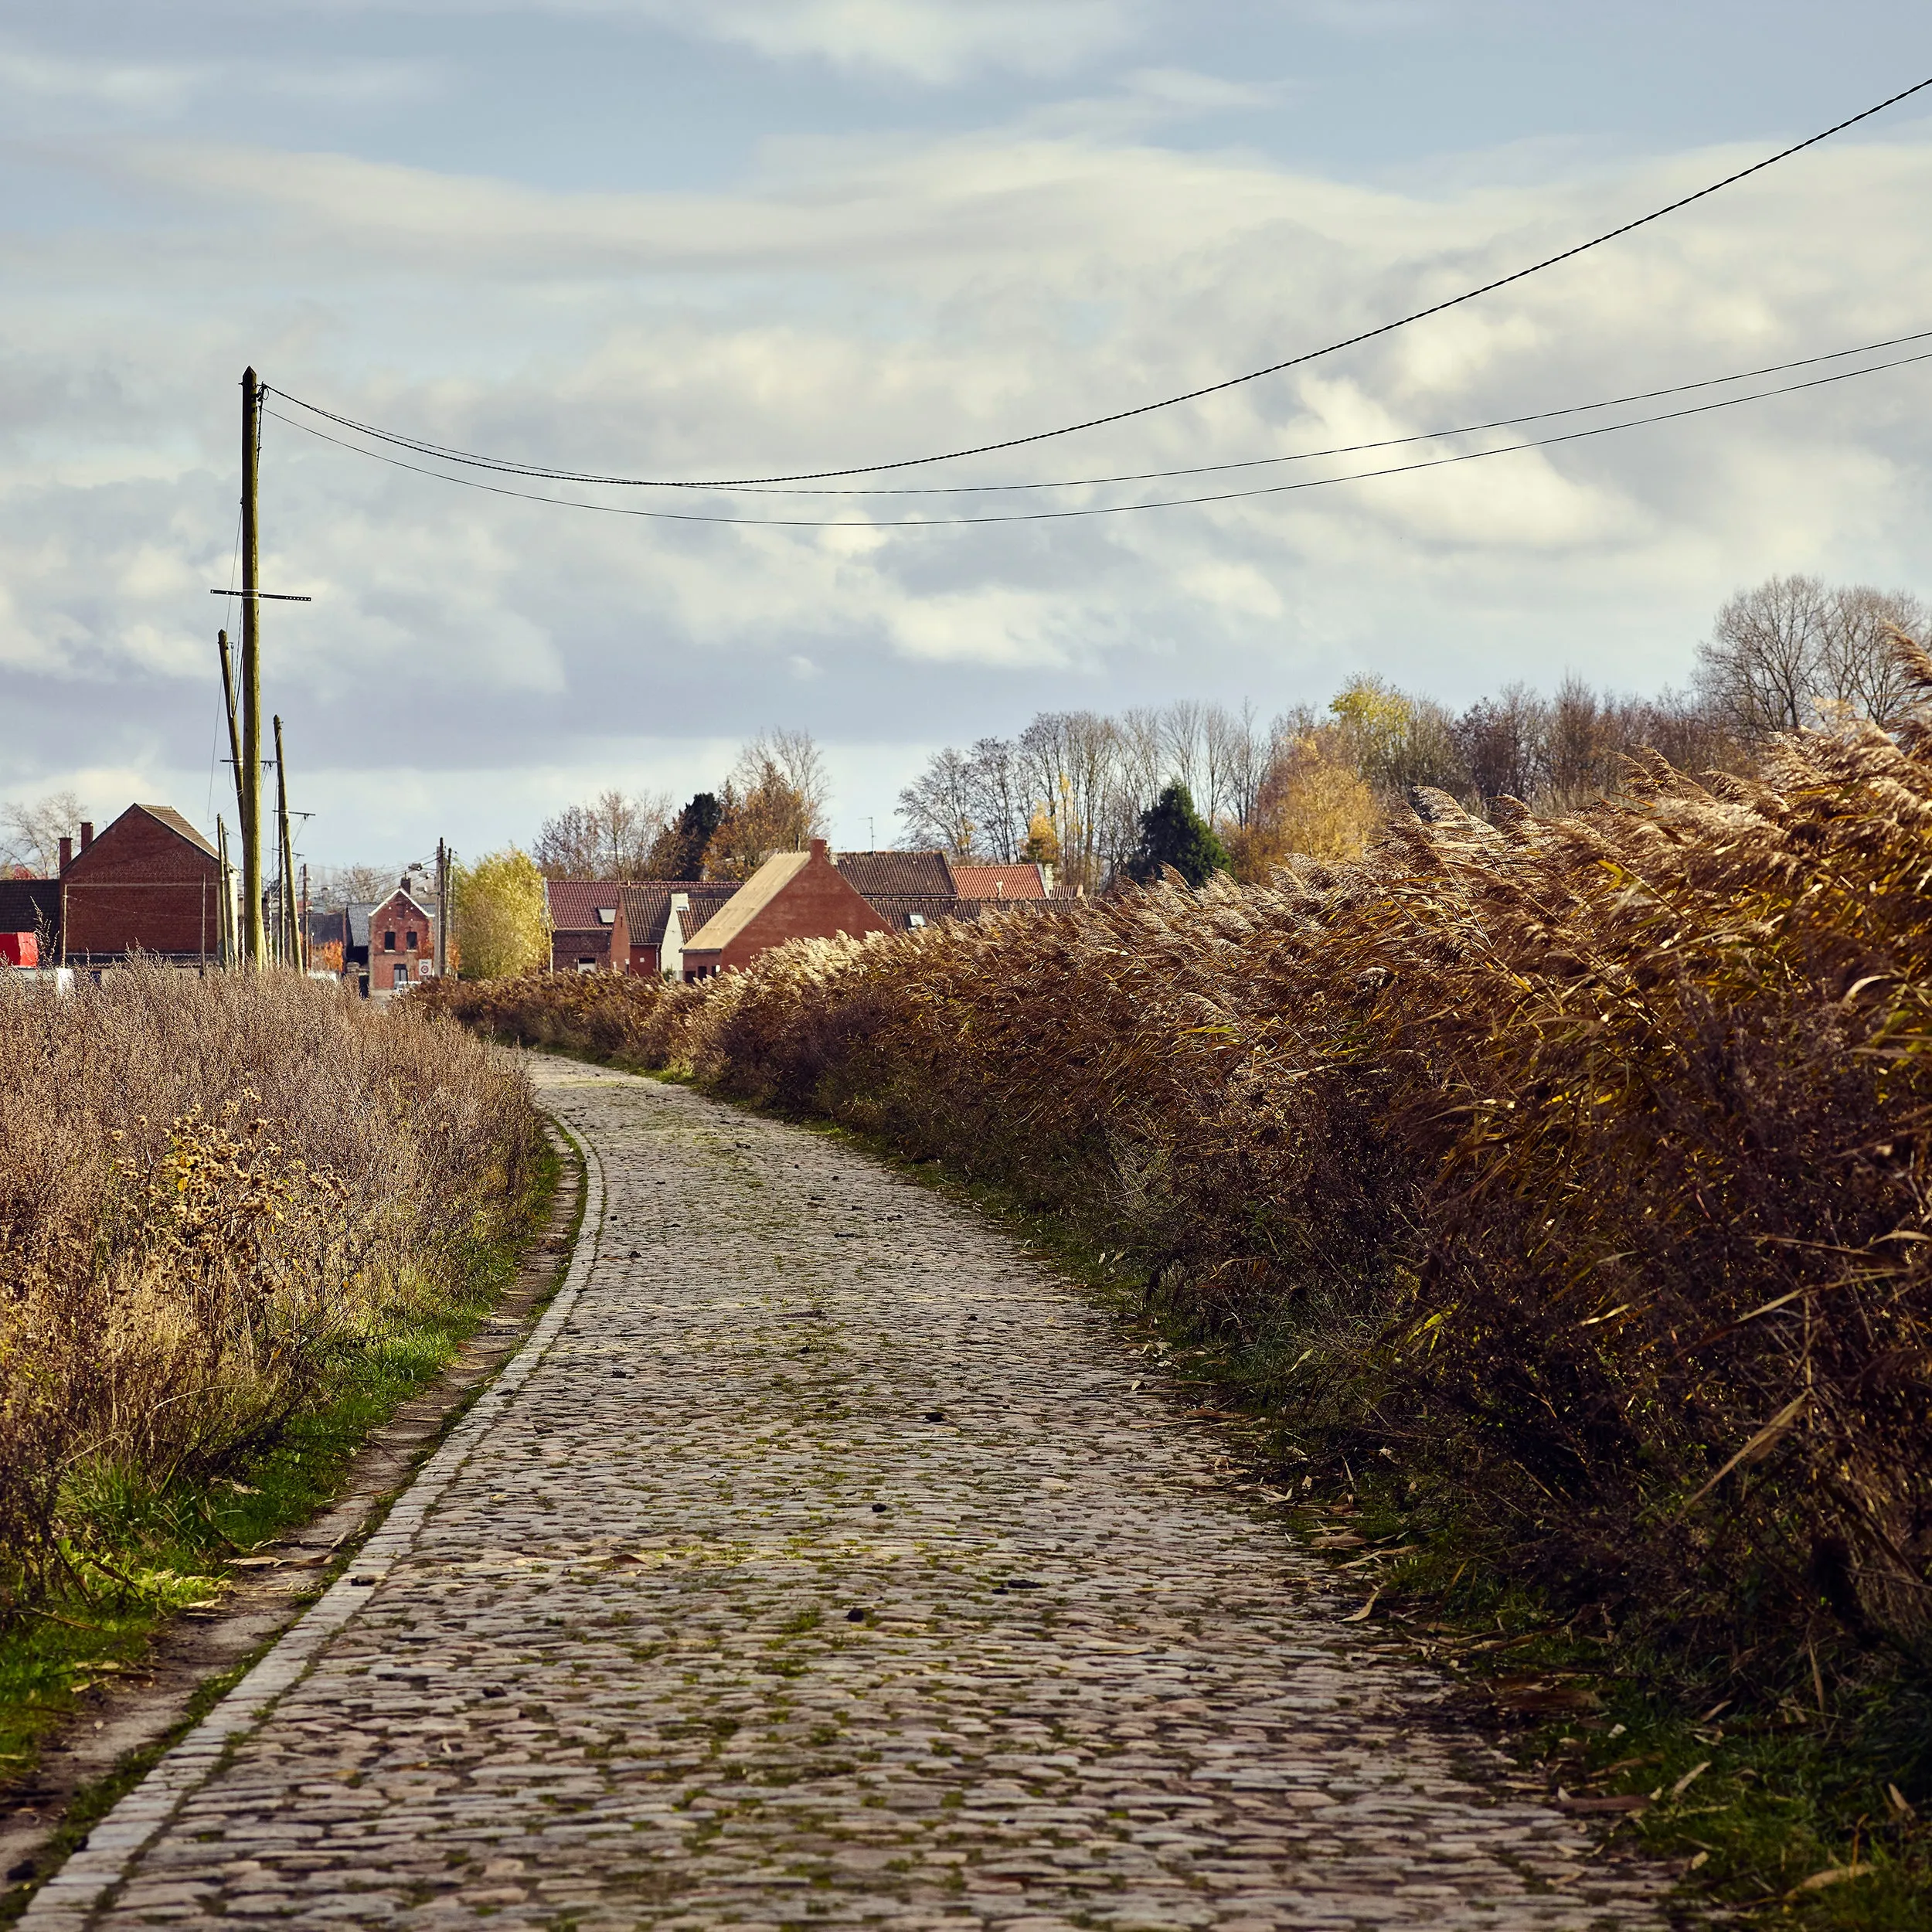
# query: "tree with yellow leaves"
{"points": [[502, 920], [1312, 804]]}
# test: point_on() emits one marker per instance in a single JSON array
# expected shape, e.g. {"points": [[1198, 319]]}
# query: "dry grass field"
{"points": [[211, 1192]]}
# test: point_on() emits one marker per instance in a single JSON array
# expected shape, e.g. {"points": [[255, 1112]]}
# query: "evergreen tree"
{"points": [[681, 846], [1173, 833]]}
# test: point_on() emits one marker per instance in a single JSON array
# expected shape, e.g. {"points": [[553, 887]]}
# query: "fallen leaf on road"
{"points": [[1625, 1801], [1689, 1778]]}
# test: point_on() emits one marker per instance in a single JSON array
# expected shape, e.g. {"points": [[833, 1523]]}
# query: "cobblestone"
{"points": [[817, 1564]]}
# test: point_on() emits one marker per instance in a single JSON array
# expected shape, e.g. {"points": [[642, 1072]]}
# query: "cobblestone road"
{"points": [[820, 1563]]}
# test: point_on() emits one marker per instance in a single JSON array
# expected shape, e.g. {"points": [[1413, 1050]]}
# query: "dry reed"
{"points": [[1580, 1162]]}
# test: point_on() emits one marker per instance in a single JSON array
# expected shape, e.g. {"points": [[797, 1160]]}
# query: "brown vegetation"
{"points": [[205, 1186], [1581, 1163]]}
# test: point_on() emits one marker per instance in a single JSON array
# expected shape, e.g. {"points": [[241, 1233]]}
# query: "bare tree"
{"points": [[611, 837], [332, 887], [1763, 665], [1184, 747], [1858, 665], [1501, 742], [938, 810], [1069, 759], [1142, 766], [30, 835], [774, 801], [795, 754], [1580, 752], [1238, 754], [999, 799]]}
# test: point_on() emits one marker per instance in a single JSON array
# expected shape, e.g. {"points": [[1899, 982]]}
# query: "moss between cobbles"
{"points": [[176, 1545], [1799, 1816]]}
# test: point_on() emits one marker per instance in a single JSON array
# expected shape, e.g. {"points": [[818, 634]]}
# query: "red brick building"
{"points": [[658, 916], [402, 942], [793, 895], [150, 883], [586, 934]]}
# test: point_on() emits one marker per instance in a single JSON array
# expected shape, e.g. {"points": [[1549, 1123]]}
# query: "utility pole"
{"points": [[225, 907], [442, 909], [255, 949], [234, 727], [285, 897], [301, 931]]}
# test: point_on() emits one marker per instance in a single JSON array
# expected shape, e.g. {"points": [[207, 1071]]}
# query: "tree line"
{"points": [[774, 799], [1102, 795]]}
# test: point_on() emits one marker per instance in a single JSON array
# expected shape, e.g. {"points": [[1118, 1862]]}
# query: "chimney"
{"points": [[818, 853], [86, 833], [67, 853]]}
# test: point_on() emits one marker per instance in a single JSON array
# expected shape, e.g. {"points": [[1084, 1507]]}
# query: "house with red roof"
{"points": [[402, 942], [660, 915], [1001, 881], [587, 934], [793, 895]]}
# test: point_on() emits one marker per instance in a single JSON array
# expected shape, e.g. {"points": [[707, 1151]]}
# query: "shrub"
{"points": [[206, 1186]]}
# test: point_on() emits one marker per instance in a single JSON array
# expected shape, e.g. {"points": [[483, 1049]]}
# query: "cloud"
{"points": [[40, 83], [856, 300], [938, 42]]}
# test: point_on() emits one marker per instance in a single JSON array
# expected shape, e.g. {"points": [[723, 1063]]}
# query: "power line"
{"points": [[1110, 509], [1353, 449], [1339, 449], [550, 474]]}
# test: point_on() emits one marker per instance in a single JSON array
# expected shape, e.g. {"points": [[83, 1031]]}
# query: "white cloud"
{"points": [[864, 299], [937, 42]]}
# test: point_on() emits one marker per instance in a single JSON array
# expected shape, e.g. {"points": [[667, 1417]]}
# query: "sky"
{"points": [[657, 239]]}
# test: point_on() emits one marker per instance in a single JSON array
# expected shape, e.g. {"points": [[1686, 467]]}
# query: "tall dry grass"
{"points": [[206, 1186], [1581, 1163]]}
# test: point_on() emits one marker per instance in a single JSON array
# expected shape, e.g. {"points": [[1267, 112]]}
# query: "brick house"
{"points": [[149, 883], [912, 888], [402, 942], [660, 915], [587, 934], [793, 895], [898, 885]]}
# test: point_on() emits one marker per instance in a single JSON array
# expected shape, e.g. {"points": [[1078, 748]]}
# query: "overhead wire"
{"points": [[1114, 509], [1343, 449], [557, 474]]}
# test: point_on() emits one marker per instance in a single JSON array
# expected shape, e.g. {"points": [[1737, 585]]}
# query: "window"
{"points": [[402, 971], [607, 915], [409, 940], [388, 942]]}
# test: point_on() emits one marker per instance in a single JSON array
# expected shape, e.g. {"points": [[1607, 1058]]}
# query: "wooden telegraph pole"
{"points": [[285, 898], [442, 909], [248, 772], [234, 724], [225, 906]]}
